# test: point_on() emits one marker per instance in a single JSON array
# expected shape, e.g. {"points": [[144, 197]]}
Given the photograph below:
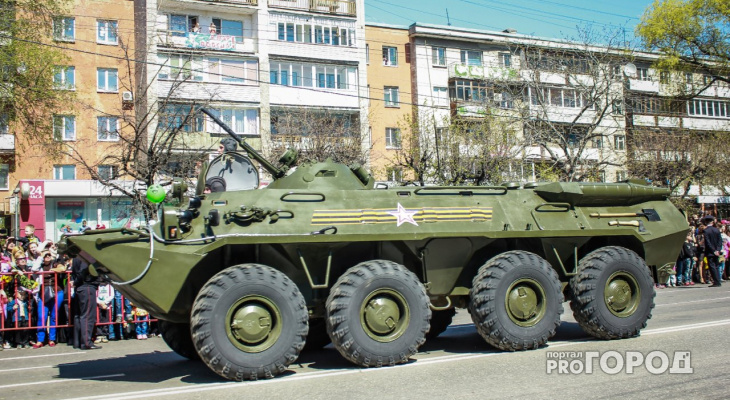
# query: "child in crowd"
{"points": [[142, 316], [104, 299], [19, 316]]}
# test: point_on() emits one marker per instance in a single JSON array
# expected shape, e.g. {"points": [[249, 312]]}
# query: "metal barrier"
{"points": [[33, 310]]}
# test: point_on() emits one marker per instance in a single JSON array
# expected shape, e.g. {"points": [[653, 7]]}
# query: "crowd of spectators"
{"points": [[38, 305], [703, 255]]}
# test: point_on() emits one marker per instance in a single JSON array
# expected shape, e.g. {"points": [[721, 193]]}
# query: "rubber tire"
{"points": [[209, 314], [587, 289], [440, 320], [177, 336], [343, 309], [317, 337], [487, 301]]}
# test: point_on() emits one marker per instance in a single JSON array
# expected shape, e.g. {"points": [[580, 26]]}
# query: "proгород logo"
{"points": [[614, 362]]}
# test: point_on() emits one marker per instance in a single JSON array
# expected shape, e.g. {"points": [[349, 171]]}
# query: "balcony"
{"points": [[7, 143], [205, 41], [245, 6], [466, 71], [337, 7]]}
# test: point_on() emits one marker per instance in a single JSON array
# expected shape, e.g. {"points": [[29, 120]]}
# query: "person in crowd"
{"points": [[212, 29], [19, 315], [51, 299], [700, 253], [9, 246], [4, 320], [142, 326], [684, 261], [84, 227], [85, 286], [66, 229], [122, 316], [196, 27], [104, 299], [713, 248], [34, 256], [723, 253]]}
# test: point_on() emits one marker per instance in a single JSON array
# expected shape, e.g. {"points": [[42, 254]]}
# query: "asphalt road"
{"points": [[458, 364]]}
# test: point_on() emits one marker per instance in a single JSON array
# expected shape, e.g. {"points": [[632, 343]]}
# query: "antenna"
{"points": [[448, 21]]}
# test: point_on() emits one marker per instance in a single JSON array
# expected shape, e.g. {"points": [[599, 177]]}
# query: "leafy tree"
{"points": [[29, 61], [690, 35]]}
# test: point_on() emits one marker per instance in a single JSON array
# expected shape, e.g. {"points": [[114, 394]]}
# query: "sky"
{"points": [[557, 19]]}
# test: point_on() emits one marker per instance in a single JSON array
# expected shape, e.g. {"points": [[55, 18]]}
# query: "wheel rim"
{"points": [[253, 323], [622, 294], [525, 302], [384, 315]]}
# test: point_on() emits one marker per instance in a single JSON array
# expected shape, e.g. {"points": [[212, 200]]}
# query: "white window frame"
{"points": [[708, 108], [62, 73], [243, 121], [61, 28], [112, 174], [106, 31], [505, 60], [111, 133], [391, 96], [438, 57], [106, 80], [64, 134], [642, 74], [392, 138], [467, 60], [440, 96], [58, 172], [390, 56], [619, 142], [4, 176]]}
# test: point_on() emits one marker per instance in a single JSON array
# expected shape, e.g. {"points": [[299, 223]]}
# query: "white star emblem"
{"points": [[404, 215]]}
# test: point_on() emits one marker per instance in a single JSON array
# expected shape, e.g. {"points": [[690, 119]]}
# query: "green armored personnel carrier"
{"points": [[243, 278]]}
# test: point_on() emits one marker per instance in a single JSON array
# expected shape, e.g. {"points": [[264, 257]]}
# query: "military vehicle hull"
{"points": [[444, 236]]}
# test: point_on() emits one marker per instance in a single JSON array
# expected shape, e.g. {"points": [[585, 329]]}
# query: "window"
{"points": [[106, 172], [106, 80], [312, 75], [617, 107], [619, 142], [107, 129], [470, 57], [505, 100], [394, 174], [642, 74], [4, 175], [63, 29], [469, 90], [64, 172], [390, 56], [106, 32], [706, 79], [64, 78], [708, 108], [302, 33], [4, 124], [439, 56], [178, 25], [184, 67], [688, 78], [180, 117], [559, 97], [242, 121], [620, 176], [664, 77], [392, 138], [232, 71], [505, 59], [64, 127], [367, 53], [235, 29], [391, 96], [598, 144], [440, 96]]}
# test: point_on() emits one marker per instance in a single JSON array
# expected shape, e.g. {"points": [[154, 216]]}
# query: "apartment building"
{"points": [[53, 192], [389, 93], [253, 61]]}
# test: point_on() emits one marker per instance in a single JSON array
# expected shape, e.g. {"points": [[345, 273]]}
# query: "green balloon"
{"points": [[156, 194]]}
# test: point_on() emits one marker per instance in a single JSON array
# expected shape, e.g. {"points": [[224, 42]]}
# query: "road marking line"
{"points": [[692, 301], [61, 380], [42, 355], [23, 369]]}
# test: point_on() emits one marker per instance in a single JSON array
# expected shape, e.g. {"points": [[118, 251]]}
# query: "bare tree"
{"points": [[318, 134]]}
